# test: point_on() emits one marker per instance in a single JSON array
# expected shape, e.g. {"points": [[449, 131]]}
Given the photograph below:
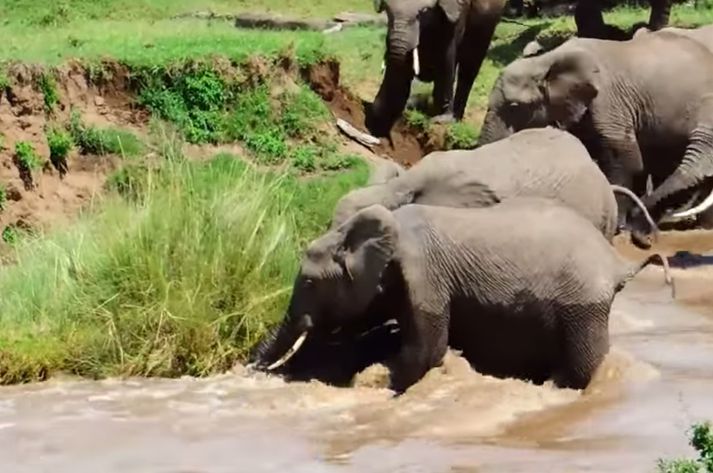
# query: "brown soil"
{"points": [[406, 146], [50, 199]]}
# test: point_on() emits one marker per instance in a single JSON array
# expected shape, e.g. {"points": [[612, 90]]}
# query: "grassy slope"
{"points": [[182, 279]]}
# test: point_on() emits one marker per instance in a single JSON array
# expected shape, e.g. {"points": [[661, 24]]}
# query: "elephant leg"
{"points": [[660, 13], [424, 335], [623, 165], [589, 19], [585, 344], [469, 61], [443, 85]]}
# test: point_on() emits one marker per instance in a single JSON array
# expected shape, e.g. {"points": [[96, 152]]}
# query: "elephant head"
{"points": [[406, 18], [341, 276], [555, 89]]}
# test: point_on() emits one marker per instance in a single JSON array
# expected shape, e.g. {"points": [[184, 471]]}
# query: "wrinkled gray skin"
{"points": [[702, 34], [543, 162], [641, 107], [450, 36], [523, 288], [382, 170]]}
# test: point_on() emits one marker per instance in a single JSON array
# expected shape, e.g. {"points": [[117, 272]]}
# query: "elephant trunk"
{"points": [[494, 128], [282, 344], [390, 102]]}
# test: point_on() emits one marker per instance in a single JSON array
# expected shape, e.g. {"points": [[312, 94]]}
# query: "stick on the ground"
{"points": [[356, 135]]}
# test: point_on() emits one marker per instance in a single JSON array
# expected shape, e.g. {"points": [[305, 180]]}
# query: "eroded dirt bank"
{"points": [[35, 99]]}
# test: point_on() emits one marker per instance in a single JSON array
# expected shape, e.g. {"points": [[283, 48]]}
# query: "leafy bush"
{"points": [[702, 440], [3, 197], [4, 81], [48, 87], [461, 136], [26, 156], [93, 140], [193, 99], [60, 143]]}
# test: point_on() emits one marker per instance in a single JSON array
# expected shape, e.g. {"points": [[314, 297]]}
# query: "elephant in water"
{"points": [[523, 288], [642, 108], [433, 40], [544, 162]]}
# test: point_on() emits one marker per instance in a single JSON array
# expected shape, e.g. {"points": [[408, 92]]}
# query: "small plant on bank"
{"points": [[27, 160], [460, 135], [701, 439], [4, 81], [3, 197], [48, 87], [416, 119], [10, 235], [60, 143], [93, 140]]}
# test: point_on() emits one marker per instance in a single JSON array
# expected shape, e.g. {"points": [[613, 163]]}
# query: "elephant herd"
{"points": [[504, 252]]}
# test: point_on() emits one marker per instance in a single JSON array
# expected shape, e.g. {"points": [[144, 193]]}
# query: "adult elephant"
{"points": [[544, 162], [590, 21], [431, 39], [641, 107], [523, 289]]}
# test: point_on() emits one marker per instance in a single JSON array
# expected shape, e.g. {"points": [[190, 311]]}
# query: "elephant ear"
{"points": [[369, 241], [452, 8], [570, 85]]}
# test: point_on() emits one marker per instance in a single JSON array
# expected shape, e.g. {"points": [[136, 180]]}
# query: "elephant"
{"points": [[702, 34], [431, 40], [523, 289], [642, 107], [590, 22], [542, 162]]}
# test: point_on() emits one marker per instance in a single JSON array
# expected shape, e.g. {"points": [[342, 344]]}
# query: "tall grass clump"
{"points": [[180, 280]]}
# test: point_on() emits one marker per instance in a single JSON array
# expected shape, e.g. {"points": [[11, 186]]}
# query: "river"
{"points": [[656, 381]]}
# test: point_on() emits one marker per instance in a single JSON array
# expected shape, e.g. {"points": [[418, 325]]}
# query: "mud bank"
{"points": [[34, 99]]}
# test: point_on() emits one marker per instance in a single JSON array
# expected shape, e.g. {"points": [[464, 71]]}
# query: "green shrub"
{"points": [[101, 141], [60, 143], [301, 111], [461, 135], [3, 197], [48, 87], [194, 100], [416, 119], [304, 158], [702, 440], [10, 235], [4, 81], [27, 157]]}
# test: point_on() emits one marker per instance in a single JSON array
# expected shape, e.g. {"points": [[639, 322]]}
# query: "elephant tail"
{"points": [[627, 192], [635, 269]]}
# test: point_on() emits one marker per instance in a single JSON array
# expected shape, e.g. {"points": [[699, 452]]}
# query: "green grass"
{"points": [[3, 197], [48, 86], [180, 281], [701, 439], [101, 141]]}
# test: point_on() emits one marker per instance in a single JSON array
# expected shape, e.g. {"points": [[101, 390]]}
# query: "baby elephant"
{"points": [[541, 162], [523, 288]]}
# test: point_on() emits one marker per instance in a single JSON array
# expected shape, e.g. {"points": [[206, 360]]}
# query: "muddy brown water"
{"points": [[656, 381]]}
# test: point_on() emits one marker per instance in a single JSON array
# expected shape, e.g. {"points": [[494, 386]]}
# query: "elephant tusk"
{"points": [[416, 64], [383, 66], [702, 207], [286, 357]]}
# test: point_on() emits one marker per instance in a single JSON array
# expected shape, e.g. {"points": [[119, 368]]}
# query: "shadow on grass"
{"points": [[503, 54]]}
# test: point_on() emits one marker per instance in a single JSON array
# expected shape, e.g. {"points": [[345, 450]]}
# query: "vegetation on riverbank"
{"points": [[701, 439], [186, 257]]}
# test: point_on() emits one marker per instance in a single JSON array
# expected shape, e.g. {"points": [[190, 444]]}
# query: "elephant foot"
{"points": [[443, 119], [641, 240]]}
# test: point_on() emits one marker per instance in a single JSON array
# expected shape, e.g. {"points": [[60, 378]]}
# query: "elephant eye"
{"points": [[514, 105], [309, 282]]}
